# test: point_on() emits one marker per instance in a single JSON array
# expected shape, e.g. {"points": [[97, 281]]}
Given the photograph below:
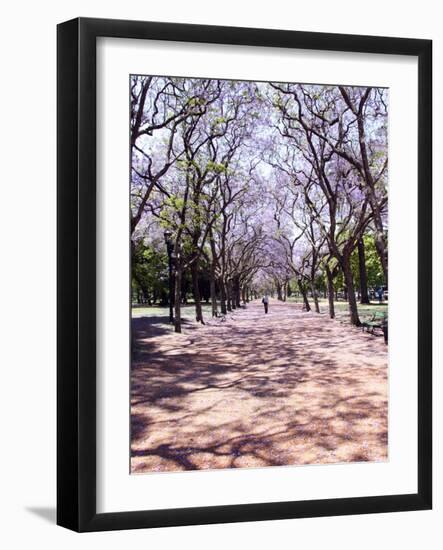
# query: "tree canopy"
{"points": [[260, 187]]}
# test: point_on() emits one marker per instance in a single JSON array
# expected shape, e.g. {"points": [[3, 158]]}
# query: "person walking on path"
{"points": [[380, 294], [265, 302]]}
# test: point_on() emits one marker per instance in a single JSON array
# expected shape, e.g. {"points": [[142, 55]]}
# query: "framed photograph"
{"points": [[230, 204]]}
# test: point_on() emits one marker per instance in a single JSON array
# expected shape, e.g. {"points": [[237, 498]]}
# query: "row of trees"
{"points": [[150, 279], [257, 184]]}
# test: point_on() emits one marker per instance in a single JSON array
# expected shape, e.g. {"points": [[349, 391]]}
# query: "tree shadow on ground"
{"points": [[291, 388]]}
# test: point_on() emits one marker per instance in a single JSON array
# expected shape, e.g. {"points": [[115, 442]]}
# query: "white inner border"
{"points": [[117, 490]]}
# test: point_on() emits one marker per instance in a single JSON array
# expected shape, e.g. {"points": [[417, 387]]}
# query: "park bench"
{"points": [[378, 320]]}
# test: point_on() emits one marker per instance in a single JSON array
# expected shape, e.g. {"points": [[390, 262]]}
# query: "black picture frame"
{"points": [[76, 265]]}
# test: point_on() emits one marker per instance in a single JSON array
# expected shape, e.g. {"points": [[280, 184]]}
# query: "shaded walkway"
{"points": [[286, 388]]}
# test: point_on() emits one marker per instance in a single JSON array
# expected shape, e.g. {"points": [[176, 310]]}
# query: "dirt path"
{"points": [[258, 390]]}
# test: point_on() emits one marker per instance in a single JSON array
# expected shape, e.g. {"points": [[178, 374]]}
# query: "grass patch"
{"points": [[365, 311], [187, 311]]}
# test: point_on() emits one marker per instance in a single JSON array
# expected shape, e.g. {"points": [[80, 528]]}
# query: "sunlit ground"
{"points": [[188, 311]]}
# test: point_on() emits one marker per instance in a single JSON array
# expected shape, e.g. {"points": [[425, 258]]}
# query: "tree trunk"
{"points": [[222, 296], [352, 302], [364, 298], [331, 292], [196, 292], [229, 304], [177, 300], [315, 298], [212, 275], [380, 240], [381, 248], [214, 308], [236, 292], [304, 294]]}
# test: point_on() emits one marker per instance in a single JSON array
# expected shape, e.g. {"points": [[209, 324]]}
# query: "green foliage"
{"points": [[149, 272], [339, 281], [277, 101], [196, 101], [374, 269], [216, 167]]}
